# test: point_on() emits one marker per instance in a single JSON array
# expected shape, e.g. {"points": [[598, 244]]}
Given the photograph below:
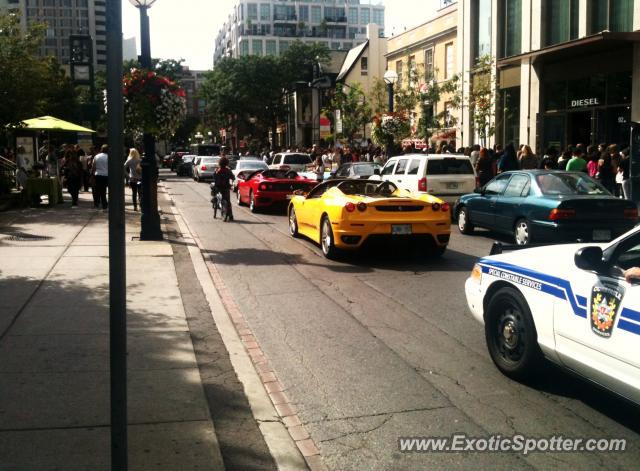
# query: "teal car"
{"points": [[546, 206]]}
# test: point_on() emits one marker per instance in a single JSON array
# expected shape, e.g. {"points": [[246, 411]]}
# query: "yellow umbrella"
{"points": [[49, 123]]}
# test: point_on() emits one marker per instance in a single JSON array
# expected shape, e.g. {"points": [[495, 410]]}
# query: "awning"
{"points": [[49, 123], [600, 42]]}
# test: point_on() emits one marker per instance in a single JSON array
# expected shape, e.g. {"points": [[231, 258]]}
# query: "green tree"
{"points": [[355, 110], [379, 97], [482, 98], [432, 93]]}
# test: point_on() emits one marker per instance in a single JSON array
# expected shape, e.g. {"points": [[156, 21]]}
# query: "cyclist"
{"points": [[222, 181]]}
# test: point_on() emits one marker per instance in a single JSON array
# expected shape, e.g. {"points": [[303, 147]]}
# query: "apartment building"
{"points": [[63, 19], [565, 70], [425, 53], [270, 26]]}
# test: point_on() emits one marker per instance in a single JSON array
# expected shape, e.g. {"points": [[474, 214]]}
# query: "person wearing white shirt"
{"points": [[101, 171]]}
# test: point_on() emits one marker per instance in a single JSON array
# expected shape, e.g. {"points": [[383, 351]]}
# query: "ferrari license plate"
{"points": [[401, 229], [602, 234]]}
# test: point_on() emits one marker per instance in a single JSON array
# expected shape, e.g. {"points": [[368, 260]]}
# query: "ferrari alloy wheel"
{"points": [[522, 232], [252, 203], [293, 222], [464, 226], [511, 335], [326, 239], [238, 199]]}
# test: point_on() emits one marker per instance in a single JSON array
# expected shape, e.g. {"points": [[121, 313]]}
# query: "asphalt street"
{"points": [[381, 345]]}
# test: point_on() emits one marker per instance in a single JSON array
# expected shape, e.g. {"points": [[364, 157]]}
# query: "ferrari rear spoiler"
{"points": [[498, 247]]}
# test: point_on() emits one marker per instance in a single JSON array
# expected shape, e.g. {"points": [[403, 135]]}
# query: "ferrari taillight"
{"points": [[263, 187], [350, 207], [435, 206]]}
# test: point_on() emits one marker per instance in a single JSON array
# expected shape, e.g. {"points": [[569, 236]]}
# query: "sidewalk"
{"points": [[54, 349]]}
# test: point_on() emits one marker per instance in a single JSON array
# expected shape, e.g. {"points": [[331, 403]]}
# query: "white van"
{"points": [[446, 176], [295, 161]]}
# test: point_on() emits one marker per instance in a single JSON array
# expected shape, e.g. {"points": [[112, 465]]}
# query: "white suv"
{"points": [[295, 161], [446, 176]]}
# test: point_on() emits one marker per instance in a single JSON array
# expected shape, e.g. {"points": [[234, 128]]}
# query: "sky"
{"points": [[186, 29]]}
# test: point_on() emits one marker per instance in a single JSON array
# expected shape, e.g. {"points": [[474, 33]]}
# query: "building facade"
{"points": [[426, 53], [270, 26], [191, 81], [63, 19], [565, 70]]}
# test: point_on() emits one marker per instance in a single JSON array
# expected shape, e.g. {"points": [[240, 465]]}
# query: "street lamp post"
{"points": [[390, 78], [150, 218]]}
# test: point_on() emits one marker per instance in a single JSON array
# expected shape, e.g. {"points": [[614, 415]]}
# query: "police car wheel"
{"points": [[522, 232], [464, 226], [511, 335]]}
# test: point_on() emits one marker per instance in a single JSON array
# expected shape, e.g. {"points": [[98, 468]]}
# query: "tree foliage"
{"points": [[233, 95], [431, 93], [482, 98], [355, 110], [170, 68], [30, 85]]}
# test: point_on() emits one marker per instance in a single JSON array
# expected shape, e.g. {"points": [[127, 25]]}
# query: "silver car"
{"points": [[205, 167]]}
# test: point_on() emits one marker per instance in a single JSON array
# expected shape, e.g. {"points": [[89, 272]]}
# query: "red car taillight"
{"points": [[557, 214], [362, 207], [631, 213], [445, 207], [204, 167], [263, 187], [350, 207], [422, 184]]}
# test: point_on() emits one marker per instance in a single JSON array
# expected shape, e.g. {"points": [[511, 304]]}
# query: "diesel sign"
{"points": [[585, 102]]}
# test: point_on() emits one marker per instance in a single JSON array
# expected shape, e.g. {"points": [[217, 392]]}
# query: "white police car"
{"points": [[568, 303]]}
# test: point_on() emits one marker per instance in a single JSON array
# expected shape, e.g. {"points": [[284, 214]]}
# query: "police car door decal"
{"points": [[606, 298]]}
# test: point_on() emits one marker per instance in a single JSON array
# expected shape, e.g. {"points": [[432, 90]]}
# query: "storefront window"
{"points": [[619, 88], [587, 92], [511, 115], [512, 27], [562, 20], [555, 96]]}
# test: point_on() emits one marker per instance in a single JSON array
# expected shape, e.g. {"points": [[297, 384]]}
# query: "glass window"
{"points": [[428, 64], [252, 11], [284, 46], [316, 14], [555, 96], [587, 92], [399, 72], [271, 47], [497, 185], [365, 17], [401, 167], [353, 16], [364, 65], [612, 15], [265, 12], [256, 47], [619, 88], [449, 166], [304, 12], [244, 48], [483, 28], [388, 169], [449, 63], [562, 21], [511, 115], [569, 184], [378, 17], [512, 27], [414, 166], [516, 185]]}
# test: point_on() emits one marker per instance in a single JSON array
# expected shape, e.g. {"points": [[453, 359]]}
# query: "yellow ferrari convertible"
{"points": [[344, 214]]}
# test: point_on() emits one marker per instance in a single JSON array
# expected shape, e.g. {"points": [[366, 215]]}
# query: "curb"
{"points": [[273, 388]]}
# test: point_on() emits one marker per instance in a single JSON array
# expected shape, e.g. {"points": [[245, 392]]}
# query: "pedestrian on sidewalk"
{"points": [[101, 166], [577, 163], [134, 171], [73, 174]]}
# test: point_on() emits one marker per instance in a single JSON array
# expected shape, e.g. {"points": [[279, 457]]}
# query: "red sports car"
{"points": [[267, 187]]}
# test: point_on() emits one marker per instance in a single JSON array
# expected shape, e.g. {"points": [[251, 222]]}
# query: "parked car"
{"points": [[570, 304], [185, 167], [175, 158], [345, 214], [264, 188], [446, 176], [204, 167], [356, 170], [541, 205], [247, 164], [291, 161]]}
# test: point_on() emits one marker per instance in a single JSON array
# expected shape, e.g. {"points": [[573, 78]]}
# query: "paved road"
{"points": [[381, 346]]}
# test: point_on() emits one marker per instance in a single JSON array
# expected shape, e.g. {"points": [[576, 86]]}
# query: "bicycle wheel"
{"points": [[224, 211], [215, 206]]}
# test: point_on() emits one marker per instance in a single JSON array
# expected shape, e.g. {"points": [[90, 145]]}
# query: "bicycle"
{"points": [[219, 203]]}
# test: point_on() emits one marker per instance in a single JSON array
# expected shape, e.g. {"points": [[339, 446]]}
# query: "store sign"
{"points": [[585, 102]]}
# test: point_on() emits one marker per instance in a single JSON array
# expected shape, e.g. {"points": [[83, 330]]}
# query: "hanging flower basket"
{"points": [[153, 104], [390, 127]]}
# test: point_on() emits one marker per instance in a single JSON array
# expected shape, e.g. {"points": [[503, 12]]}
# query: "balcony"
{"points": [[335, 19], [281, 17]]}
